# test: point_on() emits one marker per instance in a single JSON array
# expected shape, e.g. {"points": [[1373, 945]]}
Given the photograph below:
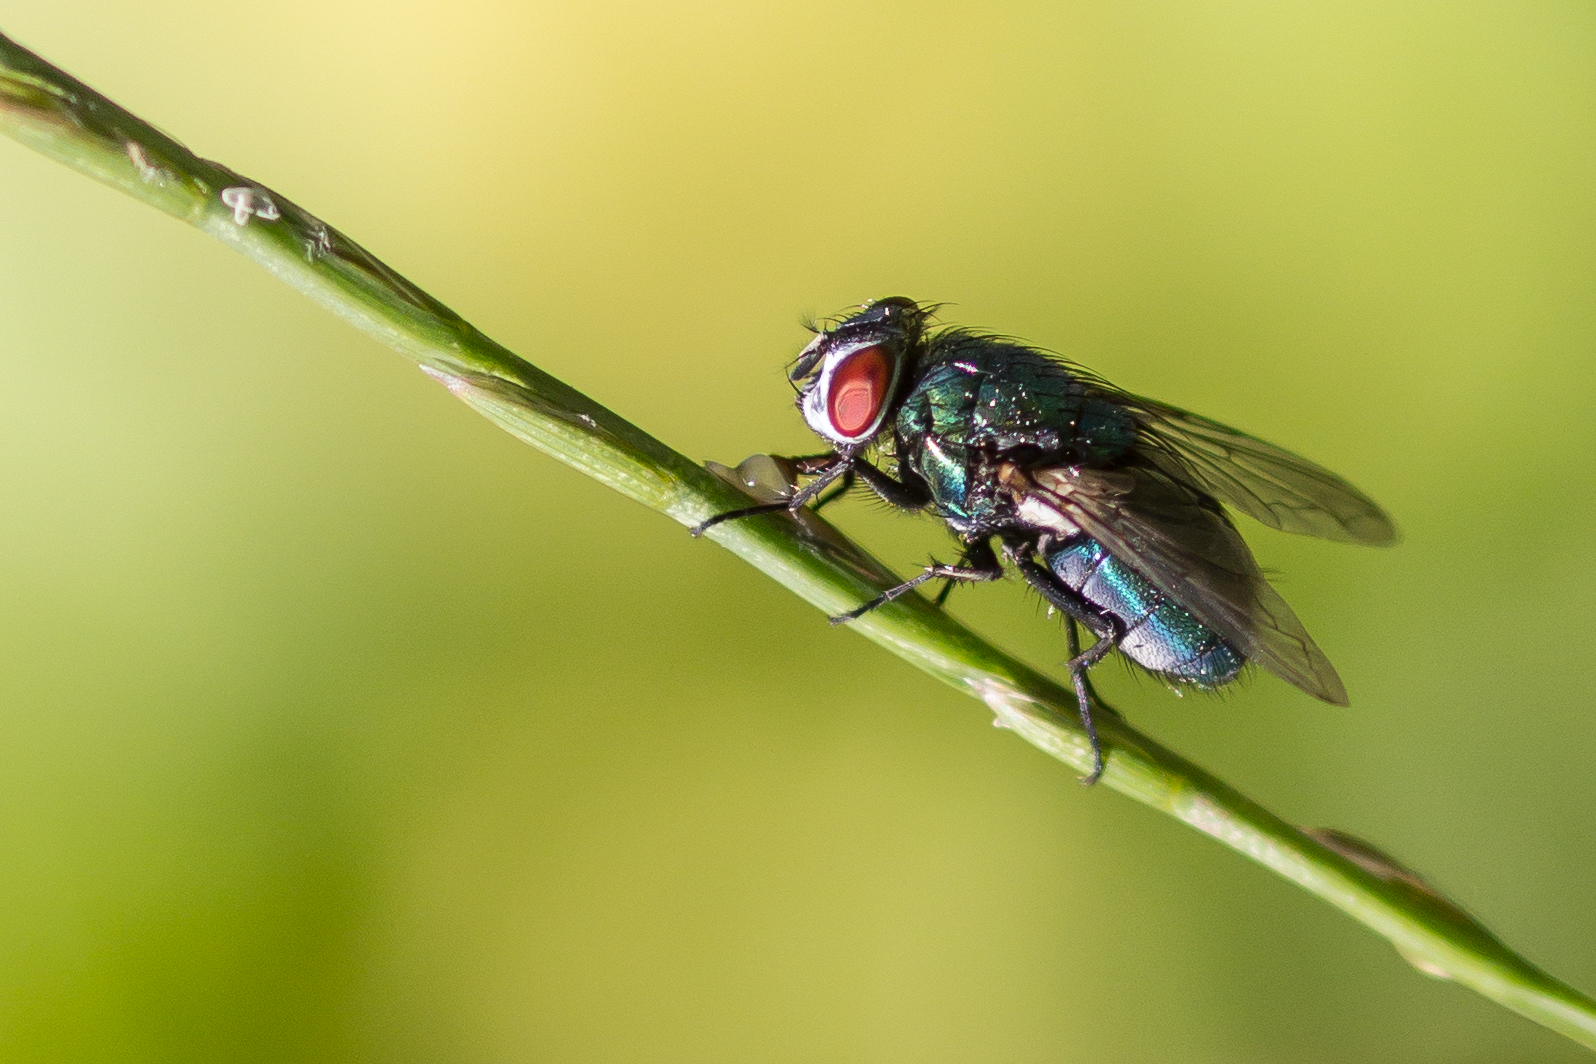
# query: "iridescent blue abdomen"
{"points": [[1160, 635]]}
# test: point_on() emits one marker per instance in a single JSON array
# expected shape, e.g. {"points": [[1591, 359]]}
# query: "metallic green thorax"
{"points": [[973, 397]]}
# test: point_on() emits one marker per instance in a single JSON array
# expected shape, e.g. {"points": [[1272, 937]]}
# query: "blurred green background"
{"points": [[337, 725]]}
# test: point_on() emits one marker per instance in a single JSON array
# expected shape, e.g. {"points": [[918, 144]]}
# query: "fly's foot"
{"points": [[935, 571], [732, 515]]}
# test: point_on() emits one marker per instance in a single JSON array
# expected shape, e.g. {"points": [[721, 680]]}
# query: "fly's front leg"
{"points": [[826, 468], [900, 493], [1105, 627], [844, 486], [980, 565]]}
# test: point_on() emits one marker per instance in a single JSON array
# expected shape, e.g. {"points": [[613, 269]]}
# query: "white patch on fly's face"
{"points": [[814, 401]]}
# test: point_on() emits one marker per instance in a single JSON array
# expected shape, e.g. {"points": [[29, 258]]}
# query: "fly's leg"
{"points": [[844, 485], [825, 468], [902, 494], [948, 585], [1073, 636], [737, 515], [1084, 679], [839, 469], [980, 565], [1104, 627]]}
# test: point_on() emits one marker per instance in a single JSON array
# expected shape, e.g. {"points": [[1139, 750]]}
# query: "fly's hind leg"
{"points": [[1106, 628], [979, 565], [1085, 692], [1072, 633]]}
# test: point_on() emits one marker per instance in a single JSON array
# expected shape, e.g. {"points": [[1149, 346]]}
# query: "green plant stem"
{"points": [[51, 112]]}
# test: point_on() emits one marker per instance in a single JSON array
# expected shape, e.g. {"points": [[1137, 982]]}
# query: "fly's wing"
{"points": [[1265, 482], [1178, 539]]}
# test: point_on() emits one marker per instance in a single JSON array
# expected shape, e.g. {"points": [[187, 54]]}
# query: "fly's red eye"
{"points": [[858, 388]]}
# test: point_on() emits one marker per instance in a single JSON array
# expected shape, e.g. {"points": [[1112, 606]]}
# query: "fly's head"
{"points": [[850, 379]]}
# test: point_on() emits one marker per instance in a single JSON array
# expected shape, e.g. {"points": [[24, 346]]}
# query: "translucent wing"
{"points": [[1168, 531], [1265, 482]]}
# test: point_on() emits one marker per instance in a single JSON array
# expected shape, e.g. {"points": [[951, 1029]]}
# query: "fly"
{"points": [[1108, 504]]}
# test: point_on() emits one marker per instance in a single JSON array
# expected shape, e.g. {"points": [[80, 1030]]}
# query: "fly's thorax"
{"points": [[850, 377], [1003, 396]]}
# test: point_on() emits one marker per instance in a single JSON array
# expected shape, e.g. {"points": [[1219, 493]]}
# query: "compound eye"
{"points": [[858, 389]]}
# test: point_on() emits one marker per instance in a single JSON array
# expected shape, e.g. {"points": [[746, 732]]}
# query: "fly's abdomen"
{"points": [[1160, 635]]}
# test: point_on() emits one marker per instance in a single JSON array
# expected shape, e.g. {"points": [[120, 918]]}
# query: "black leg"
{"points": [[904, 495], [980, 565], [1074, 639], [965, 557], [823, 478], [1104, 627], [948, 585], [735, 515], [1067, 600], [1085, 695], [844, 486], [825, 468]]}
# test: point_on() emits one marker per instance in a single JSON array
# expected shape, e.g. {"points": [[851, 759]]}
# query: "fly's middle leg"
{"points": [[948, 583], [979, 565]]}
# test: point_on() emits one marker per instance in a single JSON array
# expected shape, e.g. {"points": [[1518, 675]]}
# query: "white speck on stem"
{"points": [[148, 171], [246, 201], [320, 243], [1424, 964], [1013, 710], [455, 385]]}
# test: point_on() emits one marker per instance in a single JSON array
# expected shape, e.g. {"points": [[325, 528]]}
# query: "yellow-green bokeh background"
{"points": [[337, 725]]}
